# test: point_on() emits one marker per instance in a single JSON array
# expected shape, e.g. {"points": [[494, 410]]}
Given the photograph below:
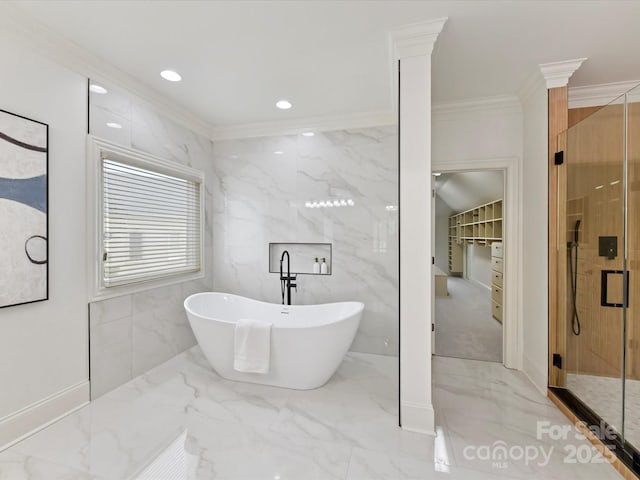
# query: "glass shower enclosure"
{"points": [[597, 331]]}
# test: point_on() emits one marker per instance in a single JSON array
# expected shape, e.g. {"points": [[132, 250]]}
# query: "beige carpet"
{"points": [[464, 325]]}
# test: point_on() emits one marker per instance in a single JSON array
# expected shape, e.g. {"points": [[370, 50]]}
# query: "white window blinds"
{"points": [[151, 223]]}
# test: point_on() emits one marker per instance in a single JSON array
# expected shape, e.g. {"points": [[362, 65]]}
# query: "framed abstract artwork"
{"points": [[24, 223]]}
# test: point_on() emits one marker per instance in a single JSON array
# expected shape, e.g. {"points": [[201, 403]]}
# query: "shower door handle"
{"points": [[604, 289]]}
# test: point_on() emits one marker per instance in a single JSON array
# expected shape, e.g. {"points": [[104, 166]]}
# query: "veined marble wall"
{"points": [[266, 186], [133, 333]]}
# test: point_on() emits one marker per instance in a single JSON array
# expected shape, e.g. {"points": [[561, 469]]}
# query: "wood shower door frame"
{"points": [[558, 114]]}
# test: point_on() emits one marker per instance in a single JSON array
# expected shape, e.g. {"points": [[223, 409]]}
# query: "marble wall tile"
{"points": [[110, 309], [111, 355], [115, 106], [157, 325], [104, 125], [160, 327], [261, 196]]}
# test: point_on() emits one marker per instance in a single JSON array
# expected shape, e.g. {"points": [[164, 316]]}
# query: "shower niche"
{"points": [[302, 257]]}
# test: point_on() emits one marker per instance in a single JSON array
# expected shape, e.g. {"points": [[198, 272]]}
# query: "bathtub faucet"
{"points": [[285, 281]]}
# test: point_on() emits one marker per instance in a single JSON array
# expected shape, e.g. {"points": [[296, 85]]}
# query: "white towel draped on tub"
{"points": [[252, 346]]}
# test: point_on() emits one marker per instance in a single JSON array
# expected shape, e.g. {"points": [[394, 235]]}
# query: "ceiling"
{"points": [[465, 190], [331, 58]]}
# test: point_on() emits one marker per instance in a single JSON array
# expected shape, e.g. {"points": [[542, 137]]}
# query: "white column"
{"points": [[412, 46]]}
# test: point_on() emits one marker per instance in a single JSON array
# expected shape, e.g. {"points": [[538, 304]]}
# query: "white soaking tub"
{"points": [[308, 342]]}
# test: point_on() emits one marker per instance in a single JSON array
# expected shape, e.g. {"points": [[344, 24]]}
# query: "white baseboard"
{"points": [[27, 421], [535, 375], [417, 418]]}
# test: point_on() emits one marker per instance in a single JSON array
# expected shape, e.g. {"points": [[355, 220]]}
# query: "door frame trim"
{"points": [[512, 326]]}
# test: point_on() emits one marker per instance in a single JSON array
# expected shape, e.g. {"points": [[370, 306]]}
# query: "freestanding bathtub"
{"points": [[308, 342]]}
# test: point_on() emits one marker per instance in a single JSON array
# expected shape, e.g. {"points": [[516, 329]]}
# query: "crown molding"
{"points": [[410, 40], [499, 104], [557, 74], [598, 95], [502, 104], [414, 39], [56, 47], [297, 126]]}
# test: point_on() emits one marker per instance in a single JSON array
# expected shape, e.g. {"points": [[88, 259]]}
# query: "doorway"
{"points": [[469, 265]]}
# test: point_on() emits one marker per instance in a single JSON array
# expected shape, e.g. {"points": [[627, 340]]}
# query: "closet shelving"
{"points": [[481, 225], [455, 249]]}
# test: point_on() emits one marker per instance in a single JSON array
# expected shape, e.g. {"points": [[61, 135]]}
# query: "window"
{"points": [[149, 225]]}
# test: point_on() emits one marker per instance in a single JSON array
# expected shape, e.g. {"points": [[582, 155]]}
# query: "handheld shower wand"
{"points": [[576, 327]]}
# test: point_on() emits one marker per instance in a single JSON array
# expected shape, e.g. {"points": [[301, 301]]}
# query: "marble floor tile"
{"points": [[369, 465], [14, 466], [604, 396], [485, 406], [183, 418]]}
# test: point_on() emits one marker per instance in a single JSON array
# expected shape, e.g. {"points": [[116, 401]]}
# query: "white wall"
{"points": [[478, 264], [479, 133], [44, 346], [535, 205], [443, 212]]}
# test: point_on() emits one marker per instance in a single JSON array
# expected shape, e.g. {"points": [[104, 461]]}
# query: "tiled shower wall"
{"points": [[264, 191], [133, 333]]}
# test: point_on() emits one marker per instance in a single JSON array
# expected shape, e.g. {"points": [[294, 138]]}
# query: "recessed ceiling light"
{"points": [[114, 125], [278, 152], [308, 134], [95, 88], [437, 174], [599, 187], [283, 104], [171, 75]]}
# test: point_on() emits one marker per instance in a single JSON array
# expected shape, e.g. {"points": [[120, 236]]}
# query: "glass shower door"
{"points": [[632, 370], [591, 262]]}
